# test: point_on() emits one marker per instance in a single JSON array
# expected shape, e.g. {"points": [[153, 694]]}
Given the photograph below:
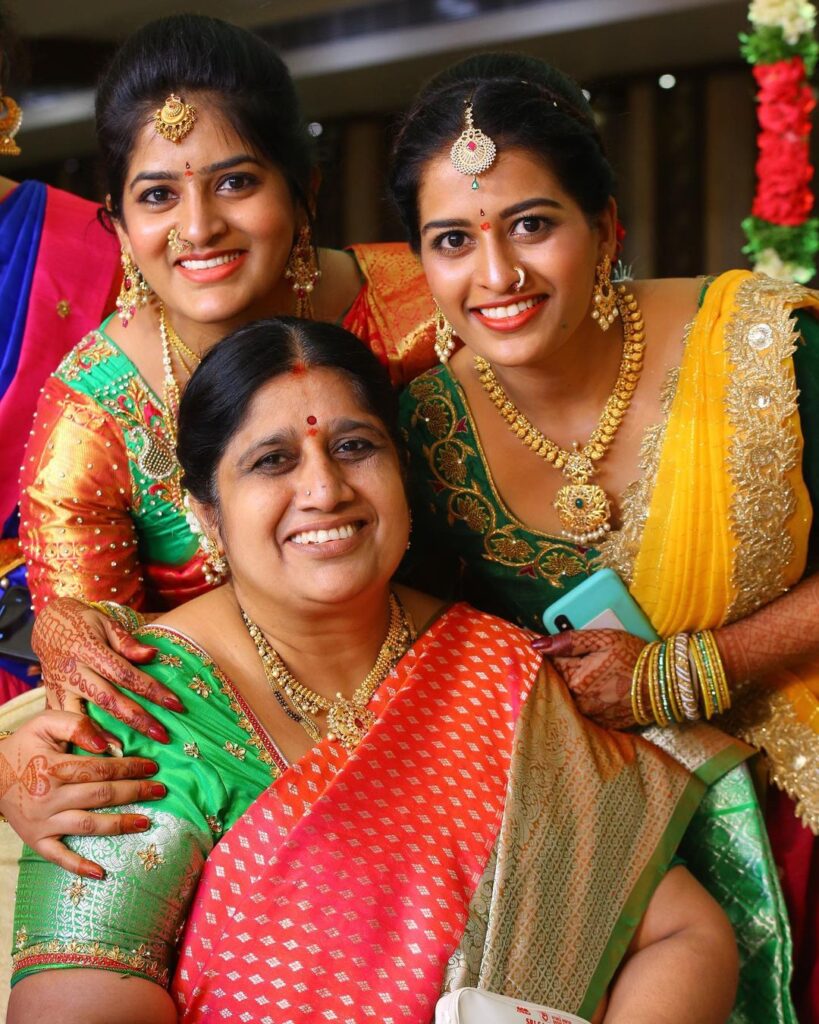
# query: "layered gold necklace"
{"points": [[189, 360], [584, 508], [348, 721]]}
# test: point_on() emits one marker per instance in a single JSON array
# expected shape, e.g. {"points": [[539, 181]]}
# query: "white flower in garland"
{"points": [[795, 17], [770, 262]]}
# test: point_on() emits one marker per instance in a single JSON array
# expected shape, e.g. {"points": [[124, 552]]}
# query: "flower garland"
{"points": [[783, 238]]}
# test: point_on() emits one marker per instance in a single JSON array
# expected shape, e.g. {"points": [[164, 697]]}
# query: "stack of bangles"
{"points": [[127, 617], [679, 679]]}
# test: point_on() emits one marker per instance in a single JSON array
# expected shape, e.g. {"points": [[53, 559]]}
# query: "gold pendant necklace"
{"points": [[584, 508], [348, 721]]}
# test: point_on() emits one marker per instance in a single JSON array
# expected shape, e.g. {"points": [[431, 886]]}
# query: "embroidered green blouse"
{"points": [[218, 761], [468, 531]]}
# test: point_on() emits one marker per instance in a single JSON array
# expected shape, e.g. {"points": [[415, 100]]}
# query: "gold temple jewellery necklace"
{"points": [[348, 721], [584, 508]]}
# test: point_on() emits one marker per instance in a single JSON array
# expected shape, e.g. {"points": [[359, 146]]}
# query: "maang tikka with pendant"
{"points": [[472, 152]]}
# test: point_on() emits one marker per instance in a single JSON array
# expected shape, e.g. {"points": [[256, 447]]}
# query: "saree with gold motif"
{"points": [[481, 833]]}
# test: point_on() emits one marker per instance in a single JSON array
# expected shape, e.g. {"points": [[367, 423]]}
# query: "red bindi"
{"points": [[485, 226], [312, 420], [188, 171], [312, 432]]}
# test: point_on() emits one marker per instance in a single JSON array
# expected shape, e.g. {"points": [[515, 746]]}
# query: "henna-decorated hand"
{"points": [[82, 652], [46, 793], [597, 666]]}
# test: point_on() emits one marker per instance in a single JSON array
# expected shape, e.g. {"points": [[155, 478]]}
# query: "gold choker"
{"points": [[584, 508]]}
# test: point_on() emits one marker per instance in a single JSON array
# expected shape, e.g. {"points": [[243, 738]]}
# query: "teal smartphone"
{"points": [[600, 602]]}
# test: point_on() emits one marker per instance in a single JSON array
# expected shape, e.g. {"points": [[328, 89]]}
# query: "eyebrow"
{"points": [[509, 211], [290, 434], [220, 165]]}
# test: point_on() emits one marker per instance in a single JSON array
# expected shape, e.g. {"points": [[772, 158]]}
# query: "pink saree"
{"points": [[357, 886]]}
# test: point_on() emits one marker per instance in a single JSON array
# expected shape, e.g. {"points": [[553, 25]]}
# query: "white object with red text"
{"points": [[477, 1006]]}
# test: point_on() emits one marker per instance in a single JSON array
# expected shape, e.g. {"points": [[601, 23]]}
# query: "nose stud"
{"points": [[308, 493], [178, 244], [516, 287]]}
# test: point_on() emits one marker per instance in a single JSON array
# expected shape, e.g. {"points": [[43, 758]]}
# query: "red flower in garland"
{"points": [[783, 169], [785, 98]]}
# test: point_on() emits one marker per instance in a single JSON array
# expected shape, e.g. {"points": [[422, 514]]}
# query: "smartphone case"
{"points": [[600, 602]]}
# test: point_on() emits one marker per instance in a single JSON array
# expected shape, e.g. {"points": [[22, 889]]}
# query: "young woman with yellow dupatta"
{"points": [[695, 482]]}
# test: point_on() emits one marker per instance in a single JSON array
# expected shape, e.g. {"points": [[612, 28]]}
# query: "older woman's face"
{"points": [[312, 508]]}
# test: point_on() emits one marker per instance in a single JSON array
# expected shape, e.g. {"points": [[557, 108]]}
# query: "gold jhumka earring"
{"points": [[10, 121], [472, 152], [174, 119], [603, 296], [302, 269], [215, 566], [444, 336], [134, 291]]}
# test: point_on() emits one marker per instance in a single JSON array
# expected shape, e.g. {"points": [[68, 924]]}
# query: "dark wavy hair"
{"points": [[520, 102], [191, 54], [13, 56], [219, 393]]}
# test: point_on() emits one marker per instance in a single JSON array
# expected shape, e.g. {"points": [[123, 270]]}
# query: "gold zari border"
{"points": [[91, 954], [760, 403]]}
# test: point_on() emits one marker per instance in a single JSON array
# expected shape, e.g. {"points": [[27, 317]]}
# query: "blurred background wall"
{"points": [[674, 99]]}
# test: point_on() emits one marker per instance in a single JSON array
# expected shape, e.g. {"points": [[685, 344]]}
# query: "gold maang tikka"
{"points": [[174, 119], [472, 152]]}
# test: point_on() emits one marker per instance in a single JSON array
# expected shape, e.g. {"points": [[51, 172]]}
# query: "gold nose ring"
{"points": [[178, 244], [516, 287]]}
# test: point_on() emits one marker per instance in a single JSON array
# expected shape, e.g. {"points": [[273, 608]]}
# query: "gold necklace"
{"points": [[584, 508], [189, 359], [348, 721], [171, 390]]}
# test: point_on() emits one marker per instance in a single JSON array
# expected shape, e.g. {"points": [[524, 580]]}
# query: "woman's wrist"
{"points": [[679, 679]]}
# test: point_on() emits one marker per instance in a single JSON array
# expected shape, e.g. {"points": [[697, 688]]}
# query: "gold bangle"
{"points": [[685, 687], [128, 618], [653, 685], [723, 694], [706, 683], [637, 706]]}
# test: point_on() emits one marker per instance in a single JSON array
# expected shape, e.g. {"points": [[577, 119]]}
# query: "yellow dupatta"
{"points": [[718, 526]]}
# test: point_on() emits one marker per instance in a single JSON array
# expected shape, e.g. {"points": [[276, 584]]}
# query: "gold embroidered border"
{"points": [[91, 954], [619, 550], [267, 753], [760, 398], [90, 352], [435, 413], [767, 719]]}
